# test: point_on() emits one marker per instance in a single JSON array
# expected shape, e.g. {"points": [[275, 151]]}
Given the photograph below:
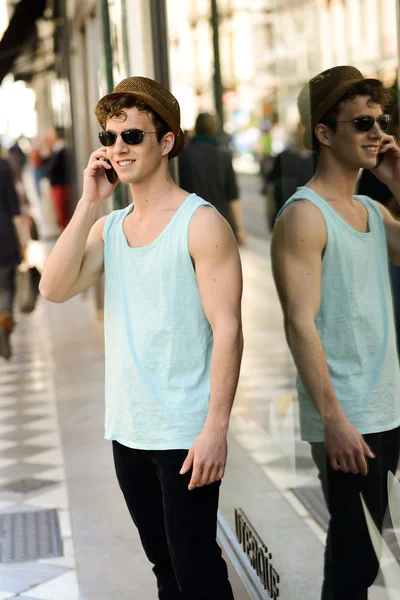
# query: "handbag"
{"points": [[28, 279]]}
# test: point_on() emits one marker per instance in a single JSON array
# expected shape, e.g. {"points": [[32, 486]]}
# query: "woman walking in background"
{"points": [[12, 247]]}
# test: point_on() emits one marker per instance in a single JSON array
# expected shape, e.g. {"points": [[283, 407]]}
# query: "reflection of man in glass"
{"points": [[330, 253]]}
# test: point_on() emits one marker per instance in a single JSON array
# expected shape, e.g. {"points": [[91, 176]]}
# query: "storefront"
{"points": [[273, 518]]}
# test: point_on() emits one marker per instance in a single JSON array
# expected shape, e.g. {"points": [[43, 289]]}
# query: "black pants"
{"points": [[351, 564], [177, 527]]}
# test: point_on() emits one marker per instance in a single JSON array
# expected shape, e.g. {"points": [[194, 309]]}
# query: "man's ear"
{"points": [[167, 143], [323, 133]]}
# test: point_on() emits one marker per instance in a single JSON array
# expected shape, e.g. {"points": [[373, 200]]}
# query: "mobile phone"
{"points": [[111, 173]]}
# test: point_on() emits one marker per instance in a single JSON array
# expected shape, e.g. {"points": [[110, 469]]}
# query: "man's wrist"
{"points": [[88, 207], [219, 426], [332, 415]]}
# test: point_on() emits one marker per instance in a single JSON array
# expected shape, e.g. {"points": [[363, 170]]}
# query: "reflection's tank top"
{"points": [[355, 322], [158, 340]]}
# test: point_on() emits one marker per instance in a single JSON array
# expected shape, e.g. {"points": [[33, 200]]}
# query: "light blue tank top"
{"points": [[158, 341], [355, 322]]}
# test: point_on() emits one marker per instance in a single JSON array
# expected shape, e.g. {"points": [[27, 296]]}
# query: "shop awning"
{"points": [[19, 29]]}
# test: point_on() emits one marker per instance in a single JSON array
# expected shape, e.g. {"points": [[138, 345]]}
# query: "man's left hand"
{"points": [[207, 458], [388, 171]]}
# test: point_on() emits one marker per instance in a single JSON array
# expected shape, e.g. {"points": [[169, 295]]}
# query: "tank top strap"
{"points": [[115, 217], [305, 193]]}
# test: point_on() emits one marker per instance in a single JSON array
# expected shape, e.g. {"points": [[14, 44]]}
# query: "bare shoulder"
{"points": [[209, 232], [96, 233], [301, 225]]}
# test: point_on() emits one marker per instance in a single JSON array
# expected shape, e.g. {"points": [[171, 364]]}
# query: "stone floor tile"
{"points": [[22, 470], [64, 587], [43, 438], [45, 423], [46, 456], [54, 498], [22, 451], [19, 597], [21, 435], [20, 419], [19, 577], [56, 473]]}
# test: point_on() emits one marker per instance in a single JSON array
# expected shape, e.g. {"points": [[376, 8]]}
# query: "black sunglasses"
{"points": [[132, 137], [366, 122]]}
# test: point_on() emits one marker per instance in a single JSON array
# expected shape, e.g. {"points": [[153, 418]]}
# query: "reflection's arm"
{"points": [[298, 242]]}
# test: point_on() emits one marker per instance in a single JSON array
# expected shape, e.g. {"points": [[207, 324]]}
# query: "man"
{"points": [[59, 176], [205, 167], [330, 263], [172, 332]]}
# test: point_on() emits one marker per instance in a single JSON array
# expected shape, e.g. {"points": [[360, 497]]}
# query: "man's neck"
{"points": [[334, 181], [152, 193]]}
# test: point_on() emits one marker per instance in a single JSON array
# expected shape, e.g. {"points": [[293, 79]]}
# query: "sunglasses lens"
{"points": [[107, 138], [133, 137], [364, 123], [383, 122]]}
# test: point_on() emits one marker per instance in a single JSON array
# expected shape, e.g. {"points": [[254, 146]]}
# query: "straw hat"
{"points": [[322, 92], [155, 95]]}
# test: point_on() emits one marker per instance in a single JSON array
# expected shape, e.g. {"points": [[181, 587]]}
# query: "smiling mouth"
{"points": [[373, 149], [125, 163]]}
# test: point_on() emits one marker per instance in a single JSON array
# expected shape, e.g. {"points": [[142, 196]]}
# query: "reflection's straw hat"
{"points": [[322, 92]]}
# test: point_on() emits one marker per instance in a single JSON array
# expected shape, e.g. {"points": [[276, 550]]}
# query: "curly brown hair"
{"points": [[115, 107]]}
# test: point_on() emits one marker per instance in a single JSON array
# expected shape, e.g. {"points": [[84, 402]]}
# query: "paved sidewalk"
{"points": [[32, 476]]}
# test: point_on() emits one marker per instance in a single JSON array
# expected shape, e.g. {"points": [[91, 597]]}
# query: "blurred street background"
{"points": [[65, 533]]}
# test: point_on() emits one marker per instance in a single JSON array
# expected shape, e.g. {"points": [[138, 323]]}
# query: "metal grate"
{"points": [[312, 498], [29, 535]]}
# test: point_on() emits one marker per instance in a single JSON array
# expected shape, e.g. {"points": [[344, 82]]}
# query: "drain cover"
{"points": [[312, 498], [29, 535]]}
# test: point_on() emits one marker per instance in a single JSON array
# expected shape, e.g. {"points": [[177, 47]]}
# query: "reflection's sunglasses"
{"points": [[132, 137], [366, 122]]}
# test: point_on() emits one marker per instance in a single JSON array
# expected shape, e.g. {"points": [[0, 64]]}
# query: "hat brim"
{"points": [[154, 105], [330, 100]]}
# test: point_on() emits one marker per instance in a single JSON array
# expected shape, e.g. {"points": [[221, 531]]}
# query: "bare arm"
{"points": [[298, 241], [219, 276], [76, 261]]}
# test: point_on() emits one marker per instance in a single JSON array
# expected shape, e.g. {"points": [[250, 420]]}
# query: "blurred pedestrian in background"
{"points": [[205, 168], [370, 185], [264, 147], [292, 168], [59, 175], [12, 246], [36, 162]]}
